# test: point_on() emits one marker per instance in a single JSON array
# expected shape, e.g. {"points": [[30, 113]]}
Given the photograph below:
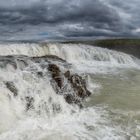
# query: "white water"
{"points": [[83, 57], [44, 121], [92, 59]]}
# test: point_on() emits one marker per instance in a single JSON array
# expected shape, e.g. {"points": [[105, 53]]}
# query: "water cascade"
{"points": [[44, 89]]}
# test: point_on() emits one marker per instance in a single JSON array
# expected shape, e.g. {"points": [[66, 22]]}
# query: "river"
{"points": [[110, 113]]}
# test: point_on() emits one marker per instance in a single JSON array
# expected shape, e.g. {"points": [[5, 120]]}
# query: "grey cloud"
{"points": [[63, 11], [67, 18]]}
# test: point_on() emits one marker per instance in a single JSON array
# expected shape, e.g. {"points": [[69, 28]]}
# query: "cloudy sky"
{"points": [[68, 19]]}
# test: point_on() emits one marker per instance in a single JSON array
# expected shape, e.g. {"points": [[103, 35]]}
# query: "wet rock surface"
{"points": [[61, 79], [80, 89], [77, 83], [10, 85], [56, 74]]}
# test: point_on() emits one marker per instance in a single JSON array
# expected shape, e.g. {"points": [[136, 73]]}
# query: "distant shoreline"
{"points": [[129, 46]]}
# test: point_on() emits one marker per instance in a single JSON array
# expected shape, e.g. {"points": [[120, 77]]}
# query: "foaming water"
{"points": [[50, 117], [27, 49], [93, 59], [84, 58], [30, 108]]}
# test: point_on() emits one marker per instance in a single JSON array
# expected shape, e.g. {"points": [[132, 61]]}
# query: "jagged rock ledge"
{"points": [[61, 81], [77, 83]]}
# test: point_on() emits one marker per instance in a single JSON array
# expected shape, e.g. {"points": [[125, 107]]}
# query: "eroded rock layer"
{"points": [[65, 83]]}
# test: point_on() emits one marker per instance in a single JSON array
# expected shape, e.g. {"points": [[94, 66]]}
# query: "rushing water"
{"points": [[110, 113]]}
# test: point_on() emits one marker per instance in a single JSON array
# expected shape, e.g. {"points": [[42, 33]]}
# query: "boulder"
{"points": [[78, 84], [71, 99]]}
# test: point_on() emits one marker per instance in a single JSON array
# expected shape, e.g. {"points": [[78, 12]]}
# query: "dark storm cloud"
{"points": [[69, 18], [63, 11], [129, 13]]}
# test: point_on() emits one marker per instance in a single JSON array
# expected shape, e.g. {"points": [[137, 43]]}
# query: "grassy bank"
{"points": [[129, 46], [117, 42], [109, 42]]}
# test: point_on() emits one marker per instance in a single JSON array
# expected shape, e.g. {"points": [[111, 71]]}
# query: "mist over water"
{"points": [[38, 113]]}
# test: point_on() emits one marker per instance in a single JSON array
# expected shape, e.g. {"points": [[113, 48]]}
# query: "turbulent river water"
{"points": [[112, 112]]}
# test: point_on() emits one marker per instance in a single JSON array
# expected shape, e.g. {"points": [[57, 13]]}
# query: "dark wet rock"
{"points": [[54, 57], [67, 74], [29, 102], [78, 84], [71, 86], [56, 74], [54, 68], [15, 61], [47, 58], [69, 98], [10, 85], [72, 99], [80, 91], [40, 74]]}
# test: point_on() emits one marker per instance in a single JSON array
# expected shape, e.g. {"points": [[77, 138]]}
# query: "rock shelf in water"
{"points": [[60, 79]]}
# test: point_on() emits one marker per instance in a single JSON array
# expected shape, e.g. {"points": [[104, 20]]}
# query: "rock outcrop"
{"points": [[80, 90], [76, 82], [71, 86], [56, 74], [10, 85]]}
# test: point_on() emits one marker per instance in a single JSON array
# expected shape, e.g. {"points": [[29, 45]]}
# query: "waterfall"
{"points": [[78, 54], [30, 88], [42, 91]]}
